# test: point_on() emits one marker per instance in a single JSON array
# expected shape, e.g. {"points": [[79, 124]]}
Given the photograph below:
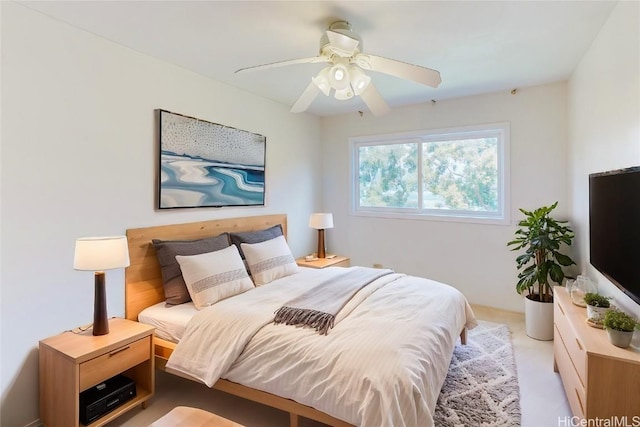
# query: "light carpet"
{"points": [[481, 387]]}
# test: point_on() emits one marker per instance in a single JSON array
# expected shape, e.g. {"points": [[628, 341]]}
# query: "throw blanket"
{"points": [[318, 307]]}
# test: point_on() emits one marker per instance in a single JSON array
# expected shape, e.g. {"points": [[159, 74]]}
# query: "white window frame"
{"points": [[499, 130]]}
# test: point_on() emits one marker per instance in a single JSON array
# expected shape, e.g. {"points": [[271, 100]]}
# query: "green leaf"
{"points": [[563, 259], [556, 273]]}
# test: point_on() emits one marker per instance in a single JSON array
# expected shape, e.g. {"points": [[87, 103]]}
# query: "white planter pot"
{"points": [[596, 314], [538, 317]]}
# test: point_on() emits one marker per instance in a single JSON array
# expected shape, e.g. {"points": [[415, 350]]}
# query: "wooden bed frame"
{"points": [[143, 288]]}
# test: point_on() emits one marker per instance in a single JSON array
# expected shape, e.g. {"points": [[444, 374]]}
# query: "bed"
{"points": [[307, 395]]}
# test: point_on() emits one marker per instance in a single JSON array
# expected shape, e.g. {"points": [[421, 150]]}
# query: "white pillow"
{"points": [[269, 260], [213, 276]]}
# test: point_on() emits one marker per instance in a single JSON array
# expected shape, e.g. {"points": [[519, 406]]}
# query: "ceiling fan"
{"points": [[341, 48]]}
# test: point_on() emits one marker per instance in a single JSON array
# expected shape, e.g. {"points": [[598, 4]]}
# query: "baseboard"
{"points": [[36, 423], [496, 309]]}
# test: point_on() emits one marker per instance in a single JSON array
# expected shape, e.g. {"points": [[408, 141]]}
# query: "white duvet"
{"points": [[382, 365]]}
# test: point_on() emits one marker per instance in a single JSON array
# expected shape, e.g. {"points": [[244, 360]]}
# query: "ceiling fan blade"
{"points": [[283, 63], [342, 44], [374, 101], [404, 70], [306, 98]]}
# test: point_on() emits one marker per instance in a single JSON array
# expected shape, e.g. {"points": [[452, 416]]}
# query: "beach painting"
{"points": [[204, 164]]}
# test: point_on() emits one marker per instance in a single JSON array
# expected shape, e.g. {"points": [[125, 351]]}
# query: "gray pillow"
{"points": [[175, 289], [255, 236]]}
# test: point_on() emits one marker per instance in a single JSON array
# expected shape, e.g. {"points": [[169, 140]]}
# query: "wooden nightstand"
{"points": [[338, 261], [73, 362]]}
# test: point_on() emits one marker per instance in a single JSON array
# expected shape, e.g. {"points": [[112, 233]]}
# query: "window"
{"points": [[451, 174]]}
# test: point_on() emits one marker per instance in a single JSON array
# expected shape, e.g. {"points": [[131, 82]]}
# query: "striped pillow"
{"points": [[269, 260], [213, 276]]}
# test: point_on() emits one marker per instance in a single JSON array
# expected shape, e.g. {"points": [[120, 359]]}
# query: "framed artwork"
{"points": [[204, 164]]}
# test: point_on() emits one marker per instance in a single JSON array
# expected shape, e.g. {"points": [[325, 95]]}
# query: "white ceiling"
{"points": [[478, 46]]}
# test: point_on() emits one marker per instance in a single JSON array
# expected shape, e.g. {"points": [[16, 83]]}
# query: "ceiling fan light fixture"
{"points": [[345, 72], [322, 81], [359, 80]]}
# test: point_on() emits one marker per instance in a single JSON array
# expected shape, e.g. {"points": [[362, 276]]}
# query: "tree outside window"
{"points": [[459, 174]]}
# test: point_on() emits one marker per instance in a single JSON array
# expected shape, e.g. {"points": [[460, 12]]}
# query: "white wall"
{"points": [[604, 123], [78, 159], [472, 257]]}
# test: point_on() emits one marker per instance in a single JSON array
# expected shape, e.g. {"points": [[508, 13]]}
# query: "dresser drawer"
{"points": [[573, 387], [572, 343], [116, 361]]}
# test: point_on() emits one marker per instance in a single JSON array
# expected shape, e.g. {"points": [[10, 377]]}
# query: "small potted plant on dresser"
{"points": [[597, 307], [620, 327], [541, 236]]}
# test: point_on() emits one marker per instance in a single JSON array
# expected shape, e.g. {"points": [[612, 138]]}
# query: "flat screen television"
{"points": [[614, 227]]}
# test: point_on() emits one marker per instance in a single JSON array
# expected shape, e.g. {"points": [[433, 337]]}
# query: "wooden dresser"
{"points": [[600, 380]]}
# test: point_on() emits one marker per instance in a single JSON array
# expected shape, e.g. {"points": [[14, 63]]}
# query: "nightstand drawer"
{"points": [[116, 361]]}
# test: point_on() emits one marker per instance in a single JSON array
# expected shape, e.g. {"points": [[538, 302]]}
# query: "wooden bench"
{"points": [[183, 416]]}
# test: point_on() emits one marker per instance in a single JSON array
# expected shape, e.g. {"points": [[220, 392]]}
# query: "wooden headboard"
{"points": [[143, 280]]}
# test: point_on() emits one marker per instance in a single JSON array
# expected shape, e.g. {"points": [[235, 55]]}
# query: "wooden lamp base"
{"points": [[100, 321], [321, 248]]}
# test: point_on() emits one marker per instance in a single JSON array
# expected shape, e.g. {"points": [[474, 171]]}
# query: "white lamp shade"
{"points": [[321, 221], [339, 76], [101, 253], [359, 80], [322, 81]]}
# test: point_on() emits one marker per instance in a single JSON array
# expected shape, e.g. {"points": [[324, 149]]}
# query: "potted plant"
{"points": [[620, 326], [541, 236], [597, 307]]}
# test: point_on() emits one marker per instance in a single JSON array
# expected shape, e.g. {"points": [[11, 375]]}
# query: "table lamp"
{"points": [[98, 254], [321, 221]]}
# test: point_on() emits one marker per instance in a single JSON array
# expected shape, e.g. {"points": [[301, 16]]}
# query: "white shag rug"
{"points": [[481, 388]]}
